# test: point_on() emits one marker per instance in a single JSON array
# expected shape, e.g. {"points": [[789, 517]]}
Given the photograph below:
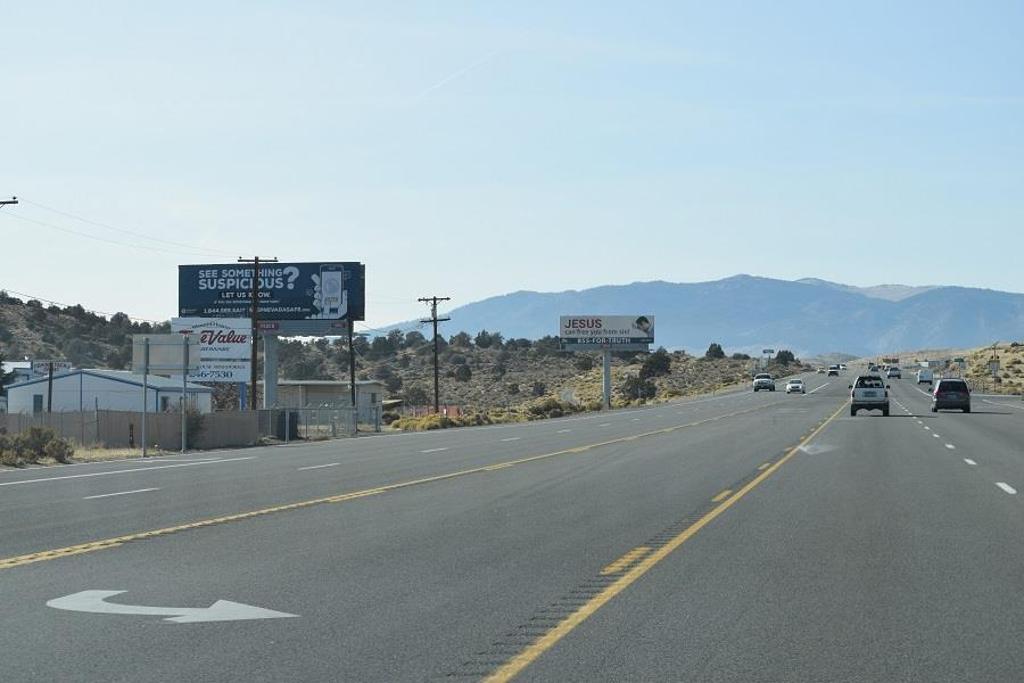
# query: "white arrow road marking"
{"points": [[222, 610]]}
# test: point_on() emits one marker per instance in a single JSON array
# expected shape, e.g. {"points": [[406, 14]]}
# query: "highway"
{"points": [[739, 537]]}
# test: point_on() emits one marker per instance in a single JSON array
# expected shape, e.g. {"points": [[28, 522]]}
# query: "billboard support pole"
{"points": [[145, 389], [351, 364], [184, 386], [607, 388], [269, 370]]}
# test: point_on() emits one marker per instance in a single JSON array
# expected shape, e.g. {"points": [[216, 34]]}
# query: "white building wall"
{"points": [[86, 392]]}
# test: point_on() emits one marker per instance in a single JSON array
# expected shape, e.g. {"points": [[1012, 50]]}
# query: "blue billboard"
{"points": [[330, 292]]}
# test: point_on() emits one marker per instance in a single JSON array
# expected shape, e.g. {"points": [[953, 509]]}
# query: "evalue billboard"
{"points": [[224, 347]]}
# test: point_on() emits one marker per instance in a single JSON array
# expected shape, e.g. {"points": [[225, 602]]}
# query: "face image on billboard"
{"points": [[287, 291]]}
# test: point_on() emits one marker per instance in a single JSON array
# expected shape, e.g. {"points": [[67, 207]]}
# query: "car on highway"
{"points": [[796, 386], [763, 380], [869, 392], [820, 370], [924, 376], [894, 371], [833, 371], [842, 366], [951, 394]]}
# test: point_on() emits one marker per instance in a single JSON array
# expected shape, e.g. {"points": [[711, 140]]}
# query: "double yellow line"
{"points": [[103, 544], [644, 562]]}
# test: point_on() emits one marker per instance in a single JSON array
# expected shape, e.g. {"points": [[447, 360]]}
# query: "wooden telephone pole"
{"points": [[433, 301]]}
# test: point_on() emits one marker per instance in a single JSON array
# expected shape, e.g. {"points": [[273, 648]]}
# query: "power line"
{"points": [[67, 305], [105, 240], [107, 226], [433, 301]]}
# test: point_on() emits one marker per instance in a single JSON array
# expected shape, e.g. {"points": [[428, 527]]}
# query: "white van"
{"points": [[925, 376]]}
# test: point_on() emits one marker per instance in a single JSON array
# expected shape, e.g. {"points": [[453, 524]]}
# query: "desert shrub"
{"points": [[657, 364], [463, 373], [636, 388], [539, 388], [388, 417], [32, 445], [714, 351], [584, 362], [60, 450]]}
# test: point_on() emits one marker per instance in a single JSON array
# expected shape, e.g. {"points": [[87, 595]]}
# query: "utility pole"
{"points": [[255, 261], [433, 301]]}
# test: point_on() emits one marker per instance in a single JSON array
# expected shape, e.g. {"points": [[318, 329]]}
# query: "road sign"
{"points": [[768, 352], [42, 367], [315, 294], [993, 367], [223, 610]]}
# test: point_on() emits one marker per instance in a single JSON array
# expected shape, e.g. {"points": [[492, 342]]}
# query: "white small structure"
{"points": [[312, 393], [79, 390]]}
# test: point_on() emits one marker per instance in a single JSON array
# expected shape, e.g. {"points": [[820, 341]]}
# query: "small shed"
{"points": [[309, 393], [89, 389]]}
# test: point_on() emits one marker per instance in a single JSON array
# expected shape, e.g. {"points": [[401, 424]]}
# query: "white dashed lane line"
{"points": [[1006, 487], [970, 462], [318, 467], [435, 450], [950, 446], [511, 438], [564, 431], [119, 493]]}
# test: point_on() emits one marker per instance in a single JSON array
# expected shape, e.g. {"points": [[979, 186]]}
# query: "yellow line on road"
{"points": [[626, 560], [514, 666], [103, 544], [720, 496]]}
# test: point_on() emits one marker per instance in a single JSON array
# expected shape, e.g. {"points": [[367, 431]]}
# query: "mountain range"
{"points": [[745, 313]]}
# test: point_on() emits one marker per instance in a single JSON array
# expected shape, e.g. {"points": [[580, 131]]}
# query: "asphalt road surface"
{"points": [[742, 537]]}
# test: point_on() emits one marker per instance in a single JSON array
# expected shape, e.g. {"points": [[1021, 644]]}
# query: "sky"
{"points": [[471, 149]]}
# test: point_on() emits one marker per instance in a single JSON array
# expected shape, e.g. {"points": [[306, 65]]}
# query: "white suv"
{"points": [[869, 392], [763, 380]]}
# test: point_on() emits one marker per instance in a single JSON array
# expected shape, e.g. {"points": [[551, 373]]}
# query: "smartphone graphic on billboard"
{"points": [[332, 291]]}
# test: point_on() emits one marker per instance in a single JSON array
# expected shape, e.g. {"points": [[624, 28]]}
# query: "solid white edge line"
{"points": [[317, 467], [119, 493], [1006, 487], [134, 469]]}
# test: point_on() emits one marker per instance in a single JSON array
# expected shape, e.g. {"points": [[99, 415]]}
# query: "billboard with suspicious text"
{"points": [[605, 331], [287, 291]]}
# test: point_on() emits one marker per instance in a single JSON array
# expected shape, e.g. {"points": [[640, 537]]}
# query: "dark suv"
{"points": [[951, 394]]}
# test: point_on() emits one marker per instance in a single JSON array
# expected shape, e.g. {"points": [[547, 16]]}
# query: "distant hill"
{"points": [[32, 329], [746, 313]]}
